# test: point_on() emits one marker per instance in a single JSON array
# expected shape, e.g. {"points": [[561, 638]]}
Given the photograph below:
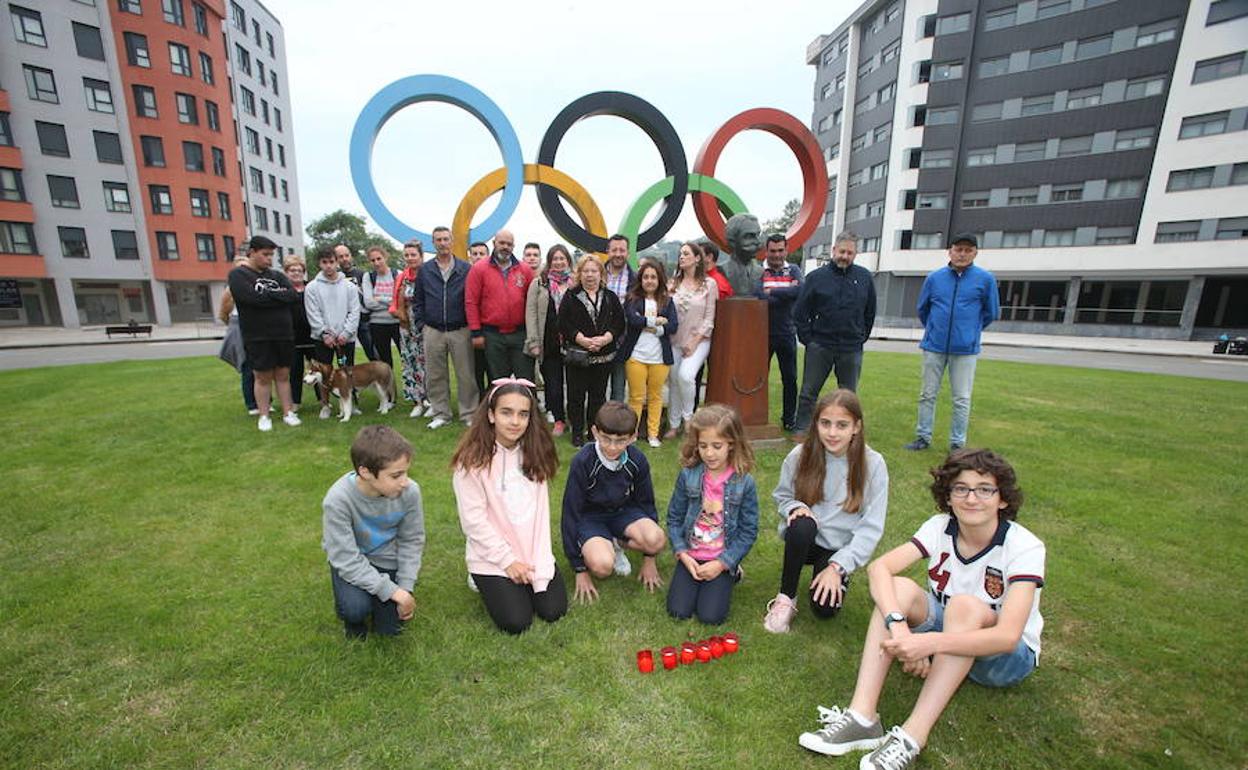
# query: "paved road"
{"points": [[1235, 369]]}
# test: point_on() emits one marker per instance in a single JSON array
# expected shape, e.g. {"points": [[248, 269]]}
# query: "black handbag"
{"points": [[575, 356]]}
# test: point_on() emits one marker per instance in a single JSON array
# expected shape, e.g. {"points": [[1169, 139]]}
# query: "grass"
{"points": [[165, 602]]}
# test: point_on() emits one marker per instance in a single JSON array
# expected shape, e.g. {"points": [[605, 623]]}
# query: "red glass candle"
{"points": [[669, 658], [732, 643], [688, 653], [645, 661], [717, 647], [704, 651]]}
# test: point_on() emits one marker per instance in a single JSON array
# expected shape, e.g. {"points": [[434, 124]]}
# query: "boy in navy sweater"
{"points": [[609, 498]]}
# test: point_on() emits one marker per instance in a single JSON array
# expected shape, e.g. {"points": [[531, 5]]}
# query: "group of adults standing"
{"points": [[590, 328]]}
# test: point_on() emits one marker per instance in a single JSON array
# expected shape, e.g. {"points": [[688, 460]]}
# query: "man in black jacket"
{"points": [[834, 313], [263, 297]]}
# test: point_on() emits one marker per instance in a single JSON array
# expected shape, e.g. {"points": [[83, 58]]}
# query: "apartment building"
{"points": [[1092, 145]]}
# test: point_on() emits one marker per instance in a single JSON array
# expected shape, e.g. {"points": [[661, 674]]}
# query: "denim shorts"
{"points": [[607, 527], [1003, 670]]}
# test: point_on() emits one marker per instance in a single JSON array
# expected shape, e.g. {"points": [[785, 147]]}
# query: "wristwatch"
{"points": [[891, 618]]}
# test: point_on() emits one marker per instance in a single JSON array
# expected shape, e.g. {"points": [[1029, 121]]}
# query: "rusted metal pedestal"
{"points": [[737, 367]]}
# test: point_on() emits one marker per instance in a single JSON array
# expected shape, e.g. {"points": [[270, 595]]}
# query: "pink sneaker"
{"points": [[780, 612], [558, 429]]}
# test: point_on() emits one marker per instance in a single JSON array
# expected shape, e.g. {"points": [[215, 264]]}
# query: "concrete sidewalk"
{"points": [[50, 337]]}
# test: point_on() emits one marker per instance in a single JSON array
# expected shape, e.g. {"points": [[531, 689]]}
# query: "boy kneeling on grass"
{"points": [[609, 497], [374, 534], [979, 618]]}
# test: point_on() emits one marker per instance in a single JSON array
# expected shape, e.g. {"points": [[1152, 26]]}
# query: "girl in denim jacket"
{"points": [[712, 518]]}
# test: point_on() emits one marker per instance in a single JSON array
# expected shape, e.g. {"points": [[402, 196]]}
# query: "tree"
{"points": [[344, 227], [781, 225]]}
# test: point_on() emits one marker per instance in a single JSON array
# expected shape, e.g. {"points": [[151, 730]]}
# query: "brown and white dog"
{"points": [[374, 374]]}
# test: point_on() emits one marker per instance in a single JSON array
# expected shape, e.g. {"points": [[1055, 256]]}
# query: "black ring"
{"points": [[645, 116]]}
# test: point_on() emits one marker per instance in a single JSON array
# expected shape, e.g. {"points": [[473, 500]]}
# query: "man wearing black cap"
{"points": [[263, 297], [957, 303]]}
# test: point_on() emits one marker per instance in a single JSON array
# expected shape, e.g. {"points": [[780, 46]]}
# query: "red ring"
{"points": [[805, 148]]}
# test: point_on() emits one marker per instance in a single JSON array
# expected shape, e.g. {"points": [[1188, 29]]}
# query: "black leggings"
{"points": [[552, 374], [582, 382], [385, 335], [801, 549], [512, 605]]}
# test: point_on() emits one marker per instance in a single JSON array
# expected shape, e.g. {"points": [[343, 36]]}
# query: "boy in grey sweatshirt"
{"points": [[333, 307], [374, 534]]}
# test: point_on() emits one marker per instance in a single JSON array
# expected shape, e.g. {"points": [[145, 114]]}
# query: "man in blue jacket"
{"points": [[957, 303], [780, 284], [438, 297], [834, 313]]}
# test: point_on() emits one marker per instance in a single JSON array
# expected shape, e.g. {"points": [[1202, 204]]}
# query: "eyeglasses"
{"points": [[983, 491], [613, 440]]}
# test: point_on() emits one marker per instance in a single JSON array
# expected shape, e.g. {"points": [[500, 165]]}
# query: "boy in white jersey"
{"points": [[980, 616]]}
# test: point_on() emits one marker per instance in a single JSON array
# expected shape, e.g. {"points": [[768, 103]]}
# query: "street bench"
{"points": [[132, 328]]}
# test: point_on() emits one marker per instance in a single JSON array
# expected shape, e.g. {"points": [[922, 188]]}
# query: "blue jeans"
{"points": [[708, 599], [247, 379], [618, 380], [355, 606], [1003, 670], [961, 380], [785, 351], [820, 362]]}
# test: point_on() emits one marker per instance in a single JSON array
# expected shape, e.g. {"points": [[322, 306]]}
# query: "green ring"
{"points": [[729, 204]]}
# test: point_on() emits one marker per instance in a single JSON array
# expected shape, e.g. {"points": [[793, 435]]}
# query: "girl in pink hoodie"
{"points": [[502, 469]]}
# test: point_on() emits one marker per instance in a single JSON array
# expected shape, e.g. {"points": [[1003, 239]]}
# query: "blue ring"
{"points": [[432, 88]]}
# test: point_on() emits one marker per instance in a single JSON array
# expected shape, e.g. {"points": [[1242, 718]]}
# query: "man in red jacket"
{"points": [[494, 303]]}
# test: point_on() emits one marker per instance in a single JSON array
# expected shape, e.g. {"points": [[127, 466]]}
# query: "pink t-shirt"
{"points": [[707, 539]]}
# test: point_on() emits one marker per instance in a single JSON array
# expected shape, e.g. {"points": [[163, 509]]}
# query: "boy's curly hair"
{"points": [[983, 461]]}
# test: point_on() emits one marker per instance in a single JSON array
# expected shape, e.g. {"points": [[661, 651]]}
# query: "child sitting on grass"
{"points": [[374, 534], [979, 618], [609, 495]]}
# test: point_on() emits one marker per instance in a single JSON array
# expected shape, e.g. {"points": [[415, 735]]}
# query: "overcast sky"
{"points": [[700, 63]]}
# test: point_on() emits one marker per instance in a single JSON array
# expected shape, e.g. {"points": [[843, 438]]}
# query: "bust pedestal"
{"points": [[738, 364]]}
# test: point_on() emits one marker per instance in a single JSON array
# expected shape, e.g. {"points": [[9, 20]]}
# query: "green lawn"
{"points": [[165, 601]]}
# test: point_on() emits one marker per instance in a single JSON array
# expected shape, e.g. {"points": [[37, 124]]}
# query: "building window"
{"points": [[927, 240], [1037, 105], [839, 86], [866, 68], [936, 159], [1000, 19], [826, 92], [1074, 145], [1047, 9], [201, 19], [950, 70], [930, 201], [948, 25], [162, 201], [52, 139], [1124, 188], [260, 71], [870, 245], [1225, 10], [125, 244], [253, 141], [855, 179], [272, 186], [28, 26], [1144, 87], [248, 99], [1204, 125], [1044, 57], [193, 156], [858, 142], [199, 203], [1024, 196], [879, 170], [886, 93], [975, 200], [218, 161], [1190, 179], [286, 190], [261, 218], [17, 238], [1177, 232], [99, 96], [153, 151], [73, 242], [223, 205], [891, 51], [242, 58], [1083, 97], [11, 188], [213, 115], [1232, 228], [1093, 47], [825, 123], [144, 101], [985, 112], [1066, 193], [1157, 33], [167, 245], [268, 38], [1033, 300], [172, 12], [255, 31], [205, 247], [1114, 236], [257, 179], [187, 111], [40, 84], [237, 17], [227, 246], [117, 197], [989, 68], [180, 59], [1133, 138], [1221, 67], [107, 147], [130, 6], [1016, 239], [277, 119], [879, 134], [1029, 151], [1239, 173], [205, 69], [136, 50], [937, 116], [88, 42], [281, 151], [983, 157]]}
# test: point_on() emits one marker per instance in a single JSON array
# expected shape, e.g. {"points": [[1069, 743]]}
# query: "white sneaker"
{"points": [[264, 423], [780, 612], [550, 418], [292, 419], [253, 412], [622, 566], [326, 412], [355, 408], [417, 411], [473, 584], [438, 422], [655, 443], [468, 422]]}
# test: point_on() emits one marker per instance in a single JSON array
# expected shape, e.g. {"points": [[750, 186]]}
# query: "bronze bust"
{"points": [[742, 269]]}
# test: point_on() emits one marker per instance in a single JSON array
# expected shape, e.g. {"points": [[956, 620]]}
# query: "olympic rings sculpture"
{"points": [[712, 199]]}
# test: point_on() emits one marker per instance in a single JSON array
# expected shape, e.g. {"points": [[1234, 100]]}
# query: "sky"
{"points": [[699, 63]]}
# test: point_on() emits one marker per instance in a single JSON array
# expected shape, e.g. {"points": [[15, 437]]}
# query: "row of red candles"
{"points": [[689, 652]]}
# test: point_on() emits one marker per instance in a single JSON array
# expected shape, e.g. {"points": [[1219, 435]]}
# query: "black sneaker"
{"points": [[578, 441], [918, 445], [955, 446]]}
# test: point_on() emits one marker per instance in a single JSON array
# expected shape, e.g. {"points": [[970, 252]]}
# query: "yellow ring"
{"points": [[534, 173]]}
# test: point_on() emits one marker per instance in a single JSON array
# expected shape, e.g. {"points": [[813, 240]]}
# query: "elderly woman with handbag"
{"points": [[591, 321]]}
